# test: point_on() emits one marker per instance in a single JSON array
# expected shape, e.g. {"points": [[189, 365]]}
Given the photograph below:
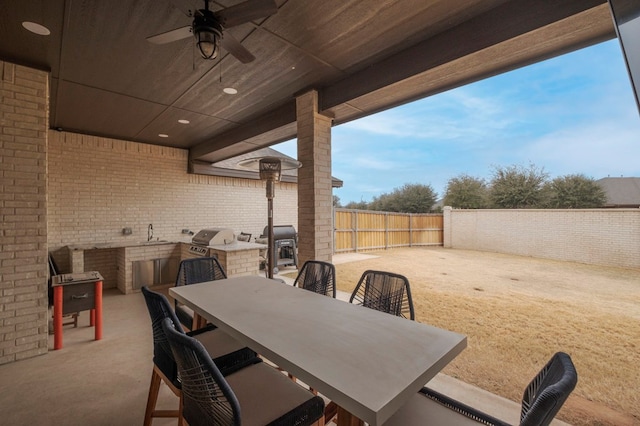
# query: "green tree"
{"points": [[336, 201], [575, 192], [466, 192], [517, 187], [357, 205], [410, 198]]}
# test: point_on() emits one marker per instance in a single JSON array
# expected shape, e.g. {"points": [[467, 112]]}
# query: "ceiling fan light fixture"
{"points": [[208, 32]]}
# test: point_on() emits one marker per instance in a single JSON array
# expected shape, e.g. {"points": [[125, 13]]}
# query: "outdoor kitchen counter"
{"points": [[237, 258], [113, 245], [116, 262]]}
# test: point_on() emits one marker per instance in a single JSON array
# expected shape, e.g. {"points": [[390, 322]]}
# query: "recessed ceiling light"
{"points": [[183, 121], [230, 90], [163, 135], [36, 28]]}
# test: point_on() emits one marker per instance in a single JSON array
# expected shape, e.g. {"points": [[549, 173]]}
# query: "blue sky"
{"points": [[572, 114]]}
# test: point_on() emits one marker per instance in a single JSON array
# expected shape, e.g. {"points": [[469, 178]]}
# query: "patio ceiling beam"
{"points": [[278, 117], [505, 22]]}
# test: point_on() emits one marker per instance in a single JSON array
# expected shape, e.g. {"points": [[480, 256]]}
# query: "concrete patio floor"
{"points": [[106, 382]]}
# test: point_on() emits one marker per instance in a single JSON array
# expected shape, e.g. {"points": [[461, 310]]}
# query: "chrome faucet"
{"points": [[150, 232]]}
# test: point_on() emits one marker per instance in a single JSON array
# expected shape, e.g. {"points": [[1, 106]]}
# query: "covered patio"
{"points": [[106, 382], [91, 85]]}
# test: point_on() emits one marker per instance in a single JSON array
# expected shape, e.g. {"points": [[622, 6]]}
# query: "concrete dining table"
{"points": [[367, 362]]}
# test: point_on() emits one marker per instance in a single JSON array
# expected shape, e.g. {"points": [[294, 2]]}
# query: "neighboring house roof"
{"points": [[621, 191], [230, 168]]}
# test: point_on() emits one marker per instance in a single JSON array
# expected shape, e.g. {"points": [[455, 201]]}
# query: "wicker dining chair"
{"points": [[229, 354], [386, 292], [193, 271], [254, 396], [541, 401], [317, 276]]}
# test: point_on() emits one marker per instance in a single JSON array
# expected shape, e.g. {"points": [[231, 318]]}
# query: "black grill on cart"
{"points": [[285, 245]]}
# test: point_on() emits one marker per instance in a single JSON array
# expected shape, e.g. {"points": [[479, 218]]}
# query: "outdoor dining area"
{"points": [[256, 342]]}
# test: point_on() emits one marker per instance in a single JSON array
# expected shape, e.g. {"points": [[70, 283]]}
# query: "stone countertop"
{"points": [[234, 246], [238, 246], [114, 245]]}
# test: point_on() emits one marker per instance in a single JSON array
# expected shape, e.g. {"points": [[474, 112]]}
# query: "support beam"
{"points": [[508, 21], [315, 197], [278, 117]]}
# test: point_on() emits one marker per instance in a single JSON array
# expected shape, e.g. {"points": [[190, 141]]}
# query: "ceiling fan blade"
{"points": [[233, 46], [245, 12], [169, 36]]}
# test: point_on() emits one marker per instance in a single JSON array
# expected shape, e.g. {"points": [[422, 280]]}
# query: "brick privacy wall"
{"points": [[98, 186], [609, 237], [23, 233]]}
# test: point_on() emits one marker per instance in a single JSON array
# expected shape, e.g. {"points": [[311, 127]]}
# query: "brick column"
{"points": [[446, 225], [23, 212], [315, 197]]}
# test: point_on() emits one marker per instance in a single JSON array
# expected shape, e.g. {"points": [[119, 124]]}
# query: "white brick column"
{"points": [[24, 95], [446, 225], [315, 197]]}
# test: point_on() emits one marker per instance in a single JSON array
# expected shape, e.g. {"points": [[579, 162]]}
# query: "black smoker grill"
{"points": [[285, 244]]}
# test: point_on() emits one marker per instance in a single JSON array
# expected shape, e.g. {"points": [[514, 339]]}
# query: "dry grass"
{"points": [[517, 311]]}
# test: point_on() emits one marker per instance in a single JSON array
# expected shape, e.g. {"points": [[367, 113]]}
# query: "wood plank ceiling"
{"points": [[363, 56]]}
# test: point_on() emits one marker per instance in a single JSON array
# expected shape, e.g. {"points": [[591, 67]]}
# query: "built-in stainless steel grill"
{"points": [[210, 237], [214, 236]]}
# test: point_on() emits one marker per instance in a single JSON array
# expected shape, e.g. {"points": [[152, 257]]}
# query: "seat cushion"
{"points": [[266, 396], [227, 353], [420, 410]]}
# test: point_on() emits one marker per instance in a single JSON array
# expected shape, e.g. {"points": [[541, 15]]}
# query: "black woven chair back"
{"points": [[548, 391], [199, 270], [53, 270], [160, 309], [207, 397], [317, 276], [386, 292]]}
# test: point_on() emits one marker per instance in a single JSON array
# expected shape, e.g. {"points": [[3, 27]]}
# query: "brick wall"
{"points": [[23, 210], [98, 186], [609, 237]]}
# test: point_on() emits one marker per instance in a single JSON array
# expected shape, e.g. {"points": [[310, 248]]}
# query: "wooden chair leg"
{"points": [[330, 411], [345, 418], [181, 421], [152, 399], [154, 389], [320, 422]]}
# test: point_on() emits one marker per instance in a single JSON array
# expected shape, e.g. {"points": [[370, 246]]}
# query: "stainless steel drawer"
{"points": [[78, 297]]}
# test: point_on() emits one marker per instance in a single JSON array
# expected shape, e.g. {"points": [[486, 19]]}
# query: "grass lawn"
{"points": [[517, 311]]}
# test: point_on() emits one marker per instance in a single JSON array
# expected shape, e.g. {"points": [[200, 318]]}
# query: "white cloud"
{"points": [[572, 114], [597, 149]]}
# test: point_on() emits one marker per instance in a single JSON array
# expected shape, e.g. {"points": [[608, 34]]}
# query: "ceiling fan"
{"points": [[208, 28]]}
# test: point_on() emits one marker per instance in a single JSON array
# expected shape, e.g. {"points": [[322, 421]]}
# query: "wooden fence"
{"points": [[363, 230]]}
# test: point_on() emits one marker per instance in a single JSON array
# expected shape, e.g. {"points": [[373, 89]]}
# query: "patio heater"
{"points": [[270, 169]]}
